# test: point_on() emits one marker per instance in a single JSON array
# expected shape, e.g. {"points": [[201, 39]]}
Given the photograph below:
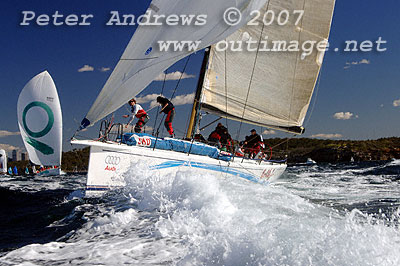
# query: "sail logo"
{"points": [[144, 141], [267, 174], [149, 51], [31, 140]]}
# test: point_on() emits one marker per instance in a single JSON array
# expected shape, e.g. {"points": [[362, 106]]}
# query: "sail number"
{"points": [[282, 18], [144, 141]]}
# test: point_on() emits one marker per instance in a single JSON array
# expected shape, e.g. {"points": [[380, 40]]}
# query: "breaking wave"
{"points": [[311, 217]]}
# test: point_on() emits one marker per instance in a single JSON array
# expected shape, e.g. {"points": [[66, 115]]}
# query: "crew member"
{"points": [[140, 113], [215, 138], [168, 108], [226, 139], [253, 144]]}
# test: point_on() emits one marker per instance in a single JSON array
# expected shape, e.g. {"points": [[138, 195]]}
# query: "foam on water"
{"points": [[395, 162], [191, 219]]}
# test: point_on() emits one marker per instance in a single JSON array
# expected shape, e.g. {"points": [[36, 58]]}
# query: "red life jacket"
{"points": [[215, 135]]}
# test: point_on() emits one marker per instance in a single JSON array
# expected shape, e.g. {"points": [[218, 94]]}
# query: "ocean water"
{"points": [[345, 214]]}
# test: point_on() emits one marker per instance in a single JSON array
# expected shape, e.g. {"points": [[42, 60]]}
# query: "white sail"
{"points": [[278, 92], [40, 120], [143, 61], [3, 162]]}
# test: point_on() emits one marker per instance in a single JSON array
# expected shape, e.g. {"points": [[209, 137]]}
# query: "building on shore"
{"points": [[24, 156], [15, 155]]}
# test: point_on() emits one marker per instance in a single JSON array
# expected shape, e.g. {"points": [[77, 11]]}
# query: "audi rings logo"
{"points": [[113, 160]]}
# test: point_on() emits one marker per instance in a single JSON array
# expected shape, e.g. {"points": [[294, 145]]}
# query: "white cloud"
{"points": [[174, 76], [86, 68], [396, 103], [269, 132], [365, 61], [147, 98], [354, 63], [183, 99], [5, 133], [327, 136], [178, 100], [104, 69], [9, 148], [344, 116]]}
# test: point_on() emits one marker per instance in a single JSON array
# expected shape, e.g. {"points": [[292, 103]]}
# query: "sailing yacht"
{"points": [[3, 162], [40, 123], [267, 89]]}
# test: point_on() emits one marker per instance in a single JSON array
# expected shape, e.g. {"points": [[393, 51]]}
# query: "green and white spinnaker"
{"points": [[40, 120]]}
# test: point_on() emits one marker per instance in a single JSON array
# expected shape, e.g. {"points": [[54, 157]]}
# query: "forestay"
{"points": [[40, 120], [142, 61], [269, 88]]}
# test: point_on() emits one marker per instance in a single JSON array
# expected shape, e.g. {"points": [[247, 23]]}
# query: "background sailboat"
{"points": [[3, 162], [40, 122]]}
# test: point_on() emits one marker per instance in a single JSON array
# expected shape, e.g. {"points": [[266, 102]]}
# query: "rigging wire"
{"points": [[226, 95], [180, 78], [158, 107], [198, 102], [173, 94], [294, 77], [295, 68], [315, 98], [252, 74]]}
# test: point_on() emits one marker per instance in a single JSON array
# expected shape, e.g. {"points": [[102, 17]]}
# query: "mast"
{"points": [[196, 102]]}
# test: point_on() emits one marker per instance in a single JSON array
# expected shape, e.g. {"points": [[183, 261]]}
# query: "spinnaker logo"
{"points": [[40, 146], [148, 51]]}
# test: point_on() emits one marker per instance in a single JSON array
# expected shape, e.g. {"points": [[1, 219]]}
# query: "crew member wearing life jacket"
{"points": [[168, 108], [140, 113], [221, 138], [214, 138], [253, 144], [226, 140]]}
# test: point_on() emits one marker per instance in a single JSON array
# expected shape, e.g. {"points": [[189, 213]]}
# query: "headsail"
{"points": [[142, 60], [40, 120], [268, 88]]}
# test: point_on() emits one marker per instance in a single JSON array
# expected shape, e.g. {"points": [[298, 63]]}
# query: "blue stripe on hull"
{"points": [[217, 168]]}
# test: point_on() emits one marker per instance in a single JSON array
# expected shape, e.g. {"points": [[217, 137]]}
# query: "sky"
{"points": [[358, 96]]}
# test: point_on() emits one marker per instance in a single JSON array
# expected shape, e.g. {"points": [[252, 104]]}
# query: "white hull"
{"points": [[109, 161], [51, 172]]}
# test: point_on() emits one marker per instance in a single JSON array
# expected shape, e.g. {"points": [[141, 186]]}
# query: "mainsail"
{"points": [[269, 88], [142, 60], [40, 120]]}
